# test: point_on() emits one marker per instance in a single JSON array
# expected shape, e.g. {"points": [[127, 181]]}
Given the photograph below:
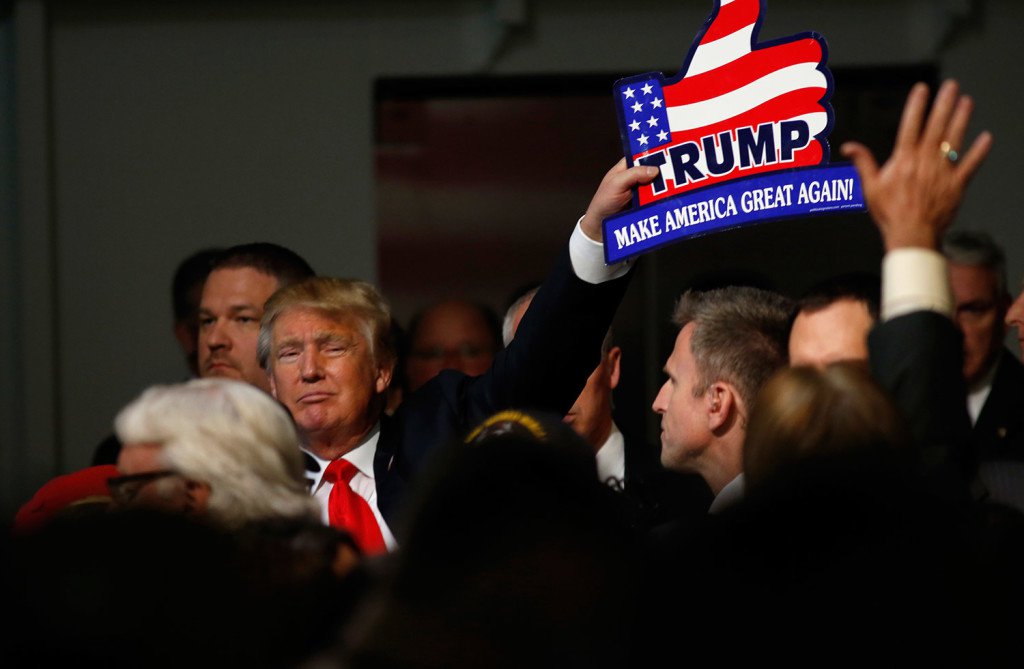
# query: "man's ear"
{"points": [[721, 404], [384, 374], [613, 359]]}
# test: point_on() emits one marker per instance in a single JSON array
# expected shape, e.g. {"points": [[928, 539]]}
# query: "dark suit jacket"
{"points": [[999, 432], [918, 358], [657, 495], [557, 346]]}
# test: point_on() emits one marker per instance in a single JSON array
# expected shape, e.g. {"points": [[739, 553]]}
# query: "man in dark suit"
{"points": [[652, 493], [913, 199], [324, 344], [995, 378]]}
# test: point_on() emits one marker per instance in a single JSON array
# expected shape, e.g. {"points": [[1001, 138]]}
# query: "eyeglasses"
{"points": [[124, 489]]}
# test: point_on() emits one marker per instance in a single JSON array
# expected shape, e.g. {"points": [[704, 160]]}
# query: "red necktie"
{"points": [[350, 512]]}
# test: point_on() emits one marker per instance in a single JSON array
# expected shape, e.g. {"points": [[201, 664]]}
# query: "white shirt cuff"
{"points": [[915, 279], [587, 258]]}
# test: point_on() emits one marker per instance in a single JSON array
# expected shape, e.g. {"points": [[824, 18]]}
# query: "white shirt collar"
{"points": [[611, 457], [977, 394], [729, 495], [361, 456]]}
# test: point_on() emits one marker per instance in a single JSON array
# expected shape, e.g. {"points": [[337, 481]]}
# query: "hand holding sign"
{"points": [[914, 196], [736, 108], [612, 196]]}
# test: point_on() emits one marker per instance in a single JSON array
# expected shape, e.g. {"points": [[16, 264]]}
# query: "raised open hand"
{"points": [[914, 196]]}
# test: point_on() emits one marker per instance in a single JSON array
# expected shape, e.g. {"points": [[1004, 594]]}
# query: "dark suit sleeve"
{"points": [[918, 358]]}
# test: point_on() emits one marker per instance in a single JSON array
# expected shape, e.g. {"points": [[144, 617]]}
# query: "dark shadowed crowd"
{"points": [[840, 477]]}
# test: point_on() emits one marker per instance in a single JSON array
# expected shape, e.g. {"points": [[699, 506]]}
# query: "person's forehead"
{"points": [[451, 320], [238, 284], [308, 322], [837, 316], [971, 280], [681, 358]]}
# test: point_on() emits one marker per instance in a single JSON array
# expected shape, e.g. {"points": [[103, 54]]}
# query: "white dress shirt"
{"points": [[363, 483], [611, 459]]}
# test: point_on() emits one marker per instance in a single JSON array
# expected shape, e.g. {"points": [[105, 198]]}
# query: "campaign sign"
{"points": [[739, 136]]}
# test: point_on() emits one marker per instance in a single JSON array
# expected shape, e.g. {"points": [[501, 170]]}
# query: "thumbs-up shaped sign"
{"points": [[737, 108]]}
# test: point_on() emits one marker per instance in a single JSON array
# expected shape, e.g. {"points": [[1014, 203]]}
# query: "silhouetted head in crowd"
{"points": [[186, 294], [977, 276], [806, 412], [731, 340], [327, 346], [215, 448], [832, 320], [543, 578], [451, 334], [591, 414], [241, 281]]}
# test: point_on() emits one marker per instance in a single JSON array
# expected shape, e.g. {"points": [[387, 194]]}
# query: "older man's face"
{"points": [[451, 335], [324, 371], [979, 315]]}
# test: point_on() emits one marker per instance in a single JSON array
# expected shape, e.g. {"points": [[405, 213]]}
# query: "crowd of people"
{"points": [[841, 475]]}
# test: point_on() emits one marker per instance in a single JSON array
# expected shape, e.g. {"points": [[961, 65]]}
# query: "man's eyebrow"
{"points": [[289, 341], [232, 309], [976, 304], [328, 337]]}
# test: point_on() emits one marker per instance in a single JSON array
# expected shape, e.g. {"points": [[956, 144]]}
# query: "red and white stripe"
{"points": [[728, 85]]}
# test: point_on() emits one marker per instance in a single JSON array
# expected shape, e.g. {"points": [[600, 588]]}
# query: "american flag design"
{"points": [[736, 109]]}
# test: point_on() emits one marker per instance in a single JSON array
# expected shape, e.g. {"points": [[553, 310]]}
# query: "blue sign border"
{"points": [[649, 223]]}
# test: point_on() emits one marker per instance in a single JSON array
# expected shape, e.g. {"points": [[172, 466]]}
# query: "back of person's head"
{"points": [[342, 299], [740, 335], [975, 248], [509, 558], [283, 264], [517, 307], [231, 436], [808, 412]]}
